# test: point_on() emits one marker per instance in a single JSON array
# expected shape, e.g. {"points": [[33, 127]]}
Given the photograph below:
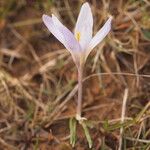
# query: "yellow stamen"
{"points": [[78, 36]]}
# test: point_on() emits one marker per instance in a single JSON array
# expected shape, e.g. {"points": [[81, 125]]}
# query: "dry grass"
{"points": [[38, 80]]}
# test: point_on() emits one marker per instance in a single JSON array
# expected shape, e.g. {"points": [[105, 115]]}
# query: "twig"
{"points": [[139, 140], [123, 116], [116, 73]]}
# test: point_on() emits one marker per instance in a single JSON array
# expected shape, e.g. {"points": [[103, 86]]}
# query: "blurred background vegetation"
{"points": [[38, 77]]}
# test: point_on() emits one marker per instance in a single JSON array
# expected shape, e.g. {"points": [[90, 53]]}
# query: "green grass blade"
{"points": [[72, 126], [87, 134]]}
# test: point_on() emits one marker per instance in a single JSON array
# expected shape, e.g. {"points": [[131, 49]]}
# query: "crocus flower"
{"points": [[81, 43]]}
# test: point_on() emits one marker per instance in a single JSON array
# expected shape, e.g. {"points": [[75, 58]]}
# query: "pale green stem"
{"points": [[79, 102]]}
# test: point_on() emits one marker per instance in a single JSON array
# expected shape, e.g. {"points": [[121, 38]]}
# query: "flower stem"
{"points": [[79, 102]]}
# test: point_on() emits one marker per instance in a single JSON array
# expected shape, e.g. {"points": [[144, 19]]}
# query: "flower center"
{"points": [[78, 36]]}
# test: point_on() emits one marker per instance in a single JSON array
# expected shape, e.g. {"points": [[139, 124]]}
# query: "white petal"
{"points": [[101, 34], [63, 35], [72, 43], [51, 27], [84, 26]]}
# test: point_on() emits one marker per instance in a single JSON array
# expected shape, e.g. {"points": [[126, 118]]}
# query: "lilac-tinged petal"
{"points": [[72, 43], [51, 27], [100, 35], [84, 26], [63, 35]]}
